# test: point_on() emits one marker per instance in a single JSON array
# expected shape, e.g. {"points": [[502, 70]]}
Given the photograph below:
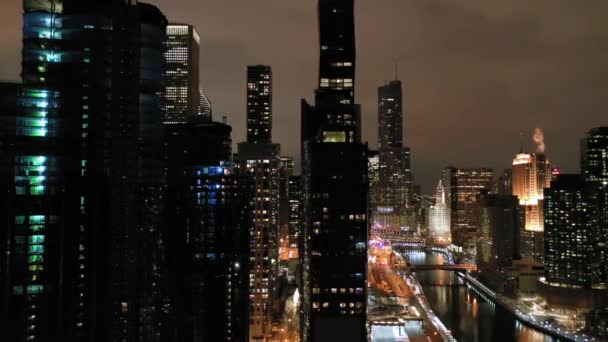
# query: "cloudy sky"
{"points": [[476, 72]]}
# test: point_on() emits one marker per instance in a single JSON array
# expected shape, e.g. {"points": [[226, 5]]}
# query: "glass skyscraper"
{"points": [[335, 188], [87, 130]]}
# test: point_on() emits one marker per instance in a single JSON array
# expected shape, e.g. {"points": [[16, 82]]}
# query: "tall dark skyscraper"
{"points": [[594, 155], [594, 167], [498, 226], [337, 54], [393, 190], [335, 185], [182, 94], [86, 173], [259, 104], [207, 234]]}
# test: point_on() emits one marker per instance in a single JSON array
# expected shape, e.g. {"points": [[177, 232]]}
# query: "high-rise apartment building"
{"points": [[573, 233], [260, 158], [594, 167], [86, 173], [209, 218], [182, 95], [261, 162], [335, 184], [259, 104], [465, 186]]}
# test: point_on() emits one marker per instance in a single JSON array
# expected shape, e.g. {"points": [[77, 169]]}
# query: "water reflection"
{"points": [[466, 314]]}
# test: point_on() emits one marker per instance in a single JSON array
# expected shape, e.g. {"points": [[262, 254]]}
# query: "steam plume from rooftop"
{"points": [[539, 140]]}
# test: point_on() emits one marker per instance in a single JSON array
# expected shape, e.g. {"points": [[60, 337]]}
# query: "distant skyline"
{"points": [[475, 73]]}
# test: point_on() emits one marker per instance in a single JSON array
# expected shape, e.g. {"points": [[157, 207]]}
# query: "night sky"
{"points": [[476, 72]]}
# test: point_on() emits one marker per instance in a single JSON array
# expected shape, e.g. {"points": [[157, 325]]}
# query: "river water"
{"points": [[470, 317]]}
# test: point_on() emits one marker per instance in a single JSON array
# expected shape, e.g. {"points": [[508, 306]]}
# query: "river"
{"points": [[470, 317]]}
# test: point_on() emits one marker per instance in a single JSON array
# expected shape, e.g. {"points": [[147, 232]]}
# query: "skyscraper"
{"points": [[260, 158], [572, 233], [439, 216], [594, 167], [498, 225], [86, 167], [335, 183], [259, 104], [209, 218], [465, 187], [182, 95], [394, 187], [531, 174]]}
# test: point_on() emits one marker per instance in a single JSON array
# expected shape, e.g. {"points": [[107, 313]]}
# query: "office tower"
{"points": [[260, 158], [572, 233], [394, 187], [86, 174], [497, 235], [259, 104], [465, 185], [439, 217], [531, 174], [182, 94], [204, 108], [208, 225], [335, 183]]}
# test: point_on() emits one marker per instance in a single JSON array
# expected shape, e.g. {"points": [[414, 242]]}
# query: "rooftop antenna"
{"points": [[396, 69]]}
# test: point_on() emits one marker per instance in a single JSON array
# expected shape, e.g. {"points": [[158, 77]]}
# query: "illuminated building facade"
{"points": [[86, 175], [531, 174], [259, 104], [594, 167], [261, 161], [439, 216], [204, 109], [573, 232], [335, 188], [260, 158], [208, 231], [182, 94], [465, 186]]}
